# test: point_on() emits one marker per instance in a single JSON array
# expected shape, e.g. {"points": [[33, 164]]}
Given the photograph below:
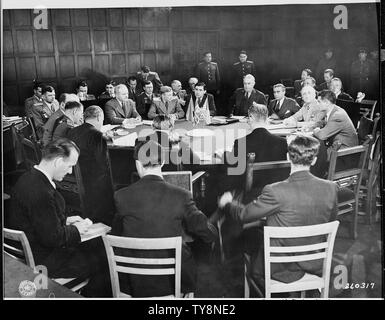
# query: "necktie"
{"points": [[166, 105], [277, 106]]}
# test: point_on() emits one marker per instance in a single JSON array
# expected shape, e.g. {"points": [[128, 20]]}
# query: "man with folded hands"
{"points": [[38, 209]]}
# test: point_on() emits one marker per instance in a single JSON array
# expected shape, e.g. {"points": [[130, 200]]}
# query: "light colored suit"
{"points": [[158, 106], [339, 128], [117, 112]]}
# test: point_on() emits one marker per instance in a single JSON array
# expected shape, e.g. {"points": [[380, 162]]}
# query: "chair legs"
{"points": [[354, 222]]}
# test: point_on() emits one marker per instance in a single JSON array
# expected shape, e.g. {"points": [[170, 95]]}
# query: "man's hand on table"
{"points": [[73, 219]]}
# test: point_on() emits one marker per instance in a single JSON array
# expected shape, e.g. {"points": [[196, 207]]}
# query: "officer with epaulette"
{"points": [[361, 71], [208, 72], [242, 68], [34, 101]]}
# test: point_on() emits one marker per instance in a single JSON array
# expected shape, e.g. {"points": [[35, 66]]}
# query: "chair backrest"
{"points": [[23, 252], [30, 152], [143, 266], [365, 128], [31, 122], [272, 166], [346, 165], [368, 105], [315, 251], [353, 109], [181, 179], [287, 82]]}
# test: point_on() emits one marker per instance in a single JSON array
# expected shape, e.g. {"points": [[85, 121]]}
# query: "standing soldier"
{"points": [[360, 73], [242, 68], [208, 72]]}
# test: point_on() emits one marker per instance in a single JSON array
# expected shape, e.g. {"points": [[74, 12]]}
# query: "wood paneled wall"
{"points": [[98, 44]]}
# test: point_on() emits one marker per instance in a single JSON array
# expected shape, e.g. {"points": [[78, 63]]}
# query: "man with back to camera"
{"points": [[243, 98], [165, 211], [121, 107], [73, 117], [300, 200]]}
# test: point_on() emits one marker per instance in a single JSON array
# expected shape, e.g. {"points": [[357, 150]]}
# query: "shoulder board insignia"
{"points": [[236, 63]]}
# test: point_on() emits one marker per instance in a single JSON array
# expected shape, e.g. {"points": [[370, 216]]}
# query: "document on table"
{"points": [[147, 122], [108, 127], [94, 231], [126, 141]]}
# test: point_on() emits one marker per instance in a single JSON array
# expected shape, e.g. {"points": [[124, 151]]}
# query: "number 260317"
{"points": [[362, 285]]}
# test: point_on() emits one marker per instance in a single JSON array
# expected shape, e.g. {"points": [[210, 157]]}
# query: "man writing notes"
{"points": [[121, 107], [165, 211], [300, 200], [167, 104], [243, 98], [282, 107]]}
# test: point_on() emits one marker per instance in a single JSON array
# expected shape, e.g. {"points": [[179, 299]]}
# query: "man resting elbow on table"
{"points": [[120, 109], [167, 104], [310, 113], [300, 200]]}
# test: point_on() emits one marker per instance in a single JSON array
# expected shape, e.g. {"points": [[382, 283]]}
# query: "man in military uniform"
{"points": [[328, 61], [167, 104], [109, 93], [208, 72], [144, 100], [146, 75], [73, 117], [360, 73], [243, 98], [242, 68], [36, 99]]}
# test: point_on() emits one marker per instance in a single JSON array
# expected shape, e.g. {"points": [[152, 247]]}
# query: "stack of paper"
{"points": [[95, 230], [108, 127], [126, 141]]}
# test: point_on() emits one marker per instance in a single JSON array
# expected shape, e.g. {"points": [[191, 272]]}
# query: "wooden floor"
{"points": [[362, 257]]}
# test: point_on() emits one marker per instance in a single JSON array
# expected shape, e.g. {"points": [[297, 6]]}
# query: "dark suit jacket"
{"points": [[96, 174], [239, 104], [152, 208], [38, 209], [143, 104], [297, 87], [345, 96], [322, 86], [208, 96], [134, 95], [288, 107], [116, 113], [300, 200], [340, 128]]}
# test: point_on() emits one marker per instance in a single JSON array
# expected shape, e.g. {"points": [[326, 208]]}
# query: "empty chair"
{"points": [[294, 254], [143, 266]]}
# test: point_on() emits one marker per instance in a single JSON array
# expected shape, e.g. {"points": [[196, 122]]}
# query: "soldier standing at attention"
{"points": [[208, 72], [242, 68]]}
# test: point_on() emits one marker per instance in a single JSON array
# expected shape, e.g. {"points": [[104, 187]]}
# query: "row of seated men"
{"points": [[152, 208]]}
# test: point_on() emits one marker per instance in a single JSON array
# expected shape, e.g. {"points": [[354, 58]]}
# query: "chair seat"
{"points": [[307, 282], [345, 194]]}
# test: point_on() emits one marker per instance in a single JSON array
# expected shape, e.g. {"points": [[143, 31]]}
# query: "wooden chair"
{"points": [[368, 106], [23, 253], [353, 109], [322, 250], [186, 180], [142, 264], [345, 168]]}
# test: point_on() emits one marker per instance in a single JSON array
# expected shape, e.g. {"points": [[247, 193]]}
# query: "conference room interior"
{"points": [[99, 45]]}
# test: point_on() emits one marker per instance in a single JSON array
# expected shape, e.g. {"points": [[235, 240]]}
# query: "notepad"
{"points": [[94, 231], [126, 141]]}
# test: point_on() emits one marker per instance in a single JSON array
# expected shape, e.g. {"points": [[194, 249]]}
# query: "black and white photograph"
{"points": [[178, 150]]}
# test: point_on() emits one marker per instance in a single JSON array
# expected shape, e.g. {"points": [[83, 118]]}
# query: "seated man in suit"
{"points": [[53, 121], [40, 112], [35, 99], [191, 85], [300, 200], [121, 107], [165, 211], [144, 99], [166, 104], [82, 92], [201, 105], [310, 81], [282, 107], [38, 209], [73, 117], [243, 98], [178, 92], [134, 90], [310, 112], [336, 87], [328, 76], [110, 91], [298, 84], [337, 126], [94, 166], [146, 75]]}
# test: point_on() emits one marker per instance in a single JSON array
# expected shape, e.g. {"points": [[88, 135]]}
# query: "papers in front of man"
{"points": [[108, 127], [95, 230], [126, 141]]}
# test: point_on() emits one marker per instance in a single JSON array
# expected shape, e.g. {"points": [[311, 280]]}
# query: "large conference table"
{"points": [[208, 142]]}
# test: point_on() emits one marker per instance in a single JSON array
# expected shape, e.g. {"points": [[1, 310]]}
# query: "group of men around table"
{"points": [[72, 135]]}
